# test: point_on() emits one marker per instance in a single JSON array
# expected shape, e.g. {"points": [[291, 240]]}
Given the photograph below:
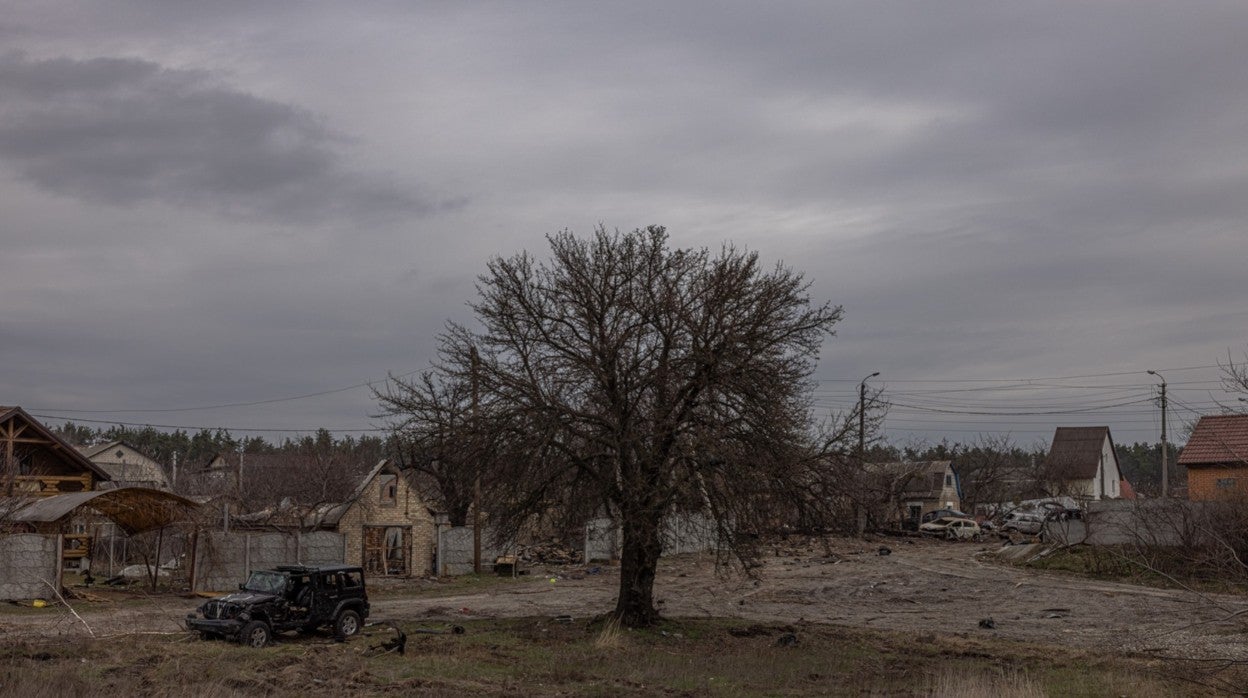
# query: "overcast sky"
{"points": [[227, 202]]}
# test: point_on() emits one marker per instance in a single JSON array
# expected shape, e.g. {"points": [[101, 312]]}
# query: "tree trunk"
{"points": [[638, 562]]}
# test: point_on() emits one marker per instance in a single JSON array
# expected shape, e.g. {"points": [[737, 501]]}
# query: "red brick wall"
{"points": [[1202, 483]]}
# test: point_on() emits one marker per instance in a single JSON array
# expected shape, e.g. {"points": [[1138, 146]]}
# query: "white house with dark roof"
{"points": [[127, 465], [1082, 463]]}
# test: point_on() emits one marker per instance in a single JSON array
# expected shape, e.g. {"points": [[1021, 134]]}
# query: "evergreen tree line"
{"points": [[192, 450]]}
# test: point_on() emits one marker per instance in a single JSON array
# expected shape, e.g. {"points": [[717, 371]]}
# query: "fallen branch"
{"points": [[1205, 622], [71, 608]]}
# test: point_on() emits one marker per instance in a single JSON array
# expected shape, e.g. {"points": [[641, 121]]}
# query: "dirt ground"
{"points": [[924, 587]]}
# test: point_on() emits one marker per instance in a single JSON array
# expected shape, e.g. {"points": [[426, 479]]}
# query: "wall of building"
{"points": [[1111, 479], [222, 560], [408, 511], [26, 560], [1206, 484]]}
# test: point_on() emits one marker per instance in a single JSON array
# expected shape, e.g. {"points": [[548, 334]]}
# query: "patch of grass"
{"points": [[698, 657], [1110, 564]]}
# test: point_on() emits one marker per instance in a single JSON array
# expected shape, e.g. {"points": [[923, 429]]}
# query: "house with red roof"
{"points": [[1216, 457]]}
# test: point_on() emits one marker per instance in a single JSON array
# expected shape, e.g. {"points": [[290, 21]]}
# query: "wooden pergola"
{"points": [[35, 462]]}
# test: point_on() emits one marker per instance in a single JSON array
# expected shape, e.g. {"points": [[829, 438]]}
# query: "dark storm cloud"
{"points": [[124, 130], [991, 189]]}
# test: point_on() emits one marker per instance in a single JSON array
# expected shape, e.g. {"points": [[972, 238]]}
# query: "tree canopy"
{"points": [[638, 380]]}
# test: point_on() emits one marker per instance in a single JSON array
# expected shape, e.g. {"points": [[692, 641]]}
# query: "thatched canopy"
{"points": [[134, 509]]}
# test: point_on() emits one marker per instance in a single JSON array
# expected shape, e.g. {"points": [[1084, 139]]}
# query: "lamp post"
{"points": [[862, 417], [1165, 466]]}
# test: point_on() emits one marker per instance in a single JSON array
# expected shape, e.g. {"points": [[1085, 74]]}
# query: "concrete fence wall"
{"points": [[26, 560], [684, 533], [1151, 522], [455, 550], [225, 559]]}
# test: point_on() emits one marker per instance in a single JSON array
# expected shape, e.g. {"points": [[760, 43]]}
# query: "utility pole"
{"points": [[862, 417], [476, 484], [1165, 465]]}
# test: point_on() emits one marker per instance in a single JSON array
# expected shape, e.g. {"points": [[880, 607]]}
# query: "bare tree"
{"points": [[993, 469], [645, 379], [435, 435]]}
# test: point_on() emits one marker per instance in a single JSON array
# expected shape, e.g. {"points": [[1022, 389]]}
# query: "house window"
{"points": [[385, 550], [948, 480], [389, 490], [1226, 483]]}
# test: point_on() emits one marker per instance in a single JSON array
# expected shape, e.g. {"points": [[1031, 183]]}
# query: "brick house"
{"points": [[1216, 457], [914, 488], [386, 526]]}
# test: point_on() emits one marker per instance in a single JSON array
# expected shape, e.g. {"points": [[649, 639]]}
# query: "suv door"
{"points": [[328, 593]]}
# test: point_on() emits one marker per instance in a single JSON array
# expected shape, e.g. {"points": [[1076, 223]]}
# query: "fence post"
{"points": [[246, 554], [60, 563], [192, 572]]}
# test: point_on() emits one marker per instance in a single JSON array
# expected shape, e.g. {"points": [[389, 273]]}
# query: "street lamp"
{"points": [[862, 417], [1165, 466]]}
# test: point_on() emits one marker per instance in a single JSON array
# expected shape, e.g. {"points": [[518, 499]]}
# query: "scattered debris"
{"points": [[455, 630], [565, 618], [550, 553], [398, 644], [987, 624], [507, 566], [787, 640], [885, 550]]}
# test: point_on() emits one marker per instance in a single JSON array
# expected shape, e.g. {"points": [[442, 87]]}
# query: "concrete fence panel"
{"points": [[26, 561], [225, 559], [455, 545]]}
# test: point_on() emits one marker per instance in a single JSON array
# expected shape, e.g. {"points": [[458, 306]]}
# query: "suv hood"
{"points": [[246, 598]]}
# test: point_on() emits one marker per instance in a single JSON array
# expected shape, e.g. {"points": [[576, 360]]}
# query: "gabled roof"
{"points": [[1076, 451], [147, 471], [93, 451], [1217, 440], [59, 445], [330, 515], [914, 477]]}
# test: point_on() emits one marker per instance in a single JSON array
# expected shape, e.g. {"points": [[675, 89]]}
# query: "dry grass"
{"points": [[712, 657], [610, 637], [950, 684]]}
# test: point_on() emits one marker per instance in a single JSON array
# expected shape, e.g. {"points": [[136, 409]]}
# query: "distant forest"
{"points": [[1140, 462], [191, 450]]}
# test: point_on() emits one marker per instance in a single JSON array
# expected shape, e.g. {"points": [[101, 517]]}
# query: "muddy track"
{"points": [[923, 587]]}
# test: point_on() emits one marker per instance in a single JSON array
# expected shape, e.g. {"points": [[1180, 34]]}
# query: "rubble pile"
{"points": [[551, 553]]}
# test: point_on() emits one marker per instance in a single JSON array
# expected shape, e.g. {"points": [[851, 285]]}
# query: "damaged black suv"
{"points": [[290, 597]]}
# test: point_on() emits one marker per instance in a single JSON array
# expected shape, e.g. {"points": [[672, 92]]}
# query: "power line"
{"points": [[207, 428], [1018, 380], [230, 404]]}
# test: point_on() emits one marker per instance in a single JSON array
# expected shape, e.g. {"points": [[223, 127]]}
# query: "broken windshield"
{"points": [[267, 582]]}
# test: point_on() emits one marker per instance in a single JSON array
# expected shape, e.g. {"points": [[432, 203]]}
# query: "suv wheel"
{"points": [[348, 624], [255, 634]]}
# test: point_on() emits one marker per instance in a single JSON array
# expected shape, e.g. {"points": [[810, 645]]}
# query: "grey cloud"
{"points": [[123, 130]]}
